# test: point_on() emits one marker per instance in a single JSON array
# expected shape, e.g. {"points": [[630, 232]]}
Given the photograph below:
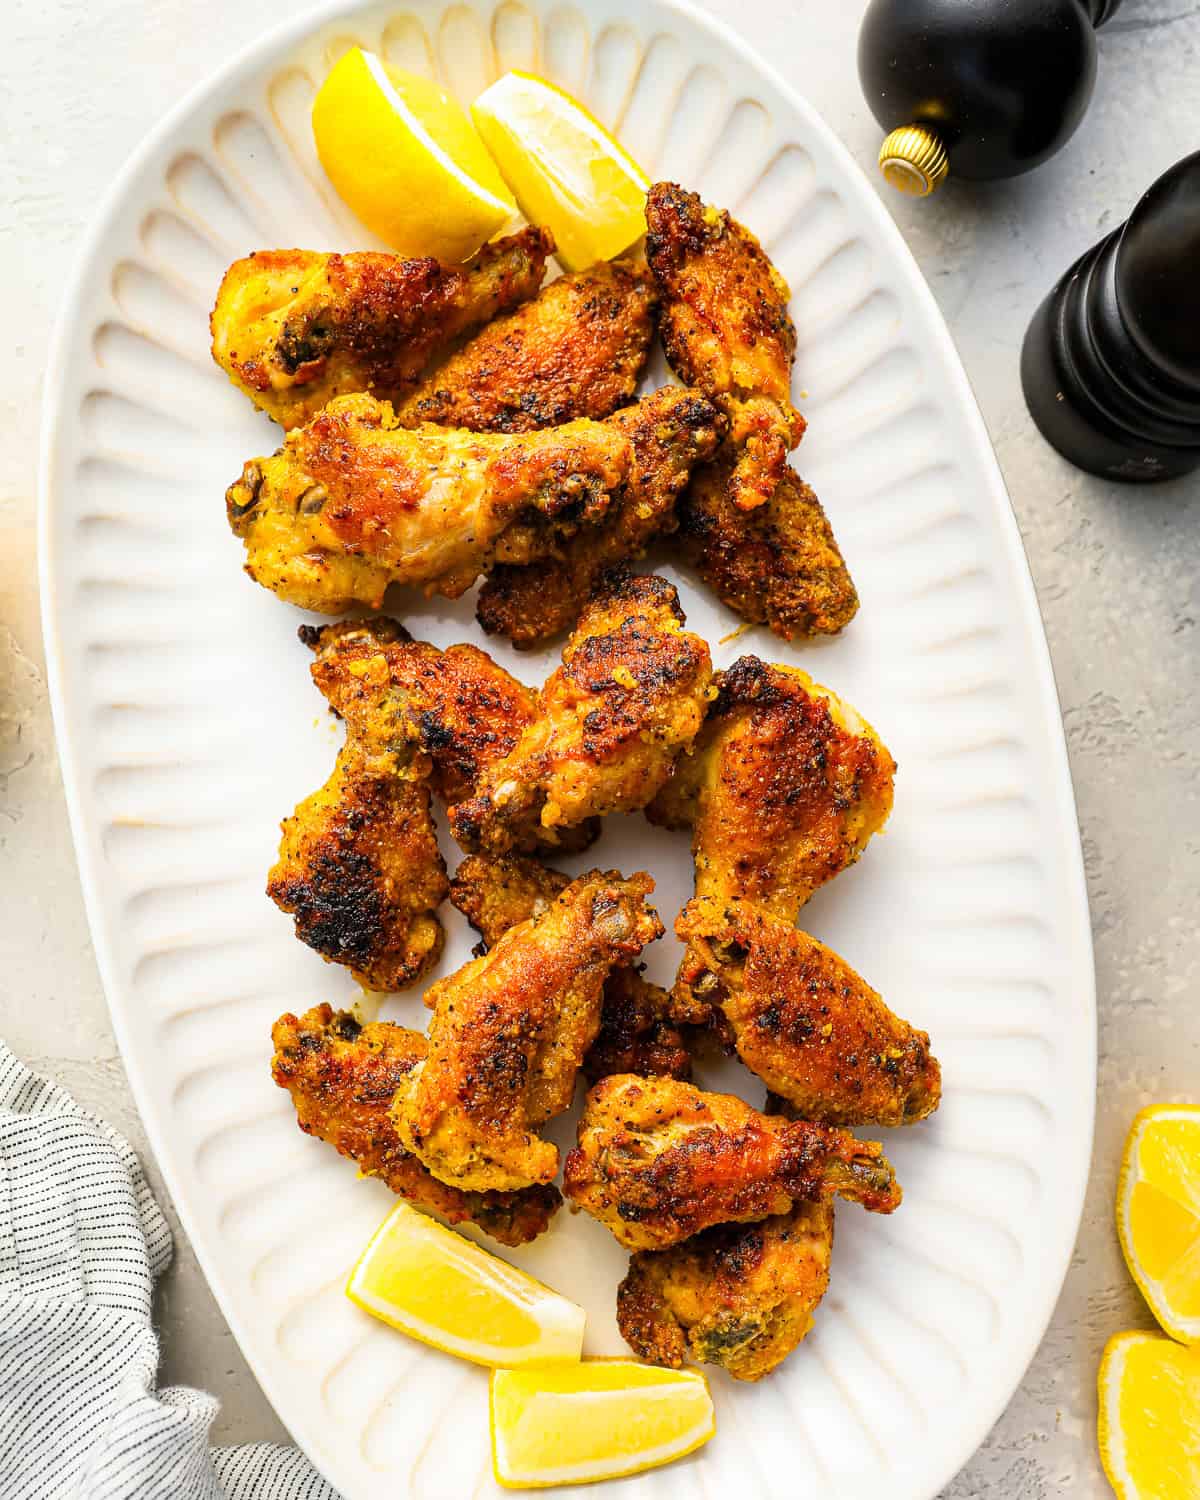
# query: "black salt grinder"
{"points": [[1111, 361]]}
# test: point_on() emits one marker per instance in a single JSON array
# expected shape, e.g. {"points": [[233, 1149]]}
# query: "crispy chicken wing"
{"points": [[509, 1032], [630, 695], [778, 565], [725, 326], [671, 431], [738, 1295], [803, 1020], [576, 350], [784, 788], [637, 1033], [342, 1076], [352, 502], [658, 1161], [294, 328]]}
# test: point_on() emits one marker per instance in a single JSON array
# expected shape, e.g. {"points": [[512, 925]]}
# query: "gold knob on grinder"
{"points": [[914, 160]]}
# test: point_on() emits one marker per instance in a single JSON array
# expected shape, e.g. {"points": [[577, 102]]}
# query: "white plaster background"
{"points": [[1117, 571]]}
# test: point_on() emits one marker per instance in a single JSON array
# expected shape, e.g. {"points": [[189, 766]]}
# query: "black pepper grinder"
{"points": [[1111, 361], [979, 88]]}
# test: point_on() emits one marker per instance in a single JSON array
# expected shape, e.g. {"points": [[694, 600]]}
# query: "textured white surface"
{"points": [[1115, 571]]}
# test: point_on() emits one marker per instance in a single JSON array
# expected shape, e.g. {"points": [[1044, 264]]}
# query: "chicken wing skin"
{"points": [[726, 329], [342, 1076], [637, 1033], [815, 1032], [778, 565], [352, 502], [295, 328], [509, 1032], [784, 788], [576, 350], [671, 431], [741, 1296], [658, 1161], [630, 695]]}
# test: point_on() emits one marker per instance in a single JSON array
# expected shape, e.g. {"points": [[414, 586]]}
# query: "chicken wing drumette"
{"points": [[637, 1033], [815, 1032], [741, 1296], [509, 1032], [785, 786], [353, 502], [658, 1161], [295, 328], [671, 431], [576, 350], [725, 326], [630, 696], [342, 1076]]}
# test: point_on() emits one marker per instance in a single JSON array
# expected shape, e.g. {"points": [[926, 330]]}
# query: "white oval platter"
{"points": [[188, 726]]}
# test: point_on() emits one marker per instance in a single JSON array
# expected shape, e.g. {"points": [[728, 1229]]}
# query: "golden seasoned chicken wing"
{"points": [[360, 870], [637, 1032], [815, 1032], [725, 327], [342, 1076], [671, 431], [353, 502], [738, 1295], [295, 328], [509, 1032], [630, 695], [576, 350], [658, 1161], [784, 788], [778, 565]]}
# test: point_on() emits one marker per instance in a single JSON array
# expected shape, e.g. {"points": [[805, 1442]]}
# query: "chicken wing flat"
{"points": [[778, 565], [360, 870], [637, 1033], [630, 695], [739, 1295], [342, 1076], [725, 327], [509, 1032], [576, 350], [671, 431], [658, 1161], [352, 502], [815, 1032], [784, 788], [295, 328]]}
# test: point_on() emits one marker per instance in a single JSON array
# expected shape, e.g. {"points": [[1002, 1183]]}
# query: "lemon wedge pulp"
{"points": [[565, 169], [445, 1290], [1158, 1214], [1149, 1417], [574, 1424], [407, 160]]}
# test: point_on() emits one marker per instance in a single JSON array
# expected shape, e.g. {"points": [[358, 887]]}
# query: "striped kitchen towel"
{"points": [[81, 1243]]}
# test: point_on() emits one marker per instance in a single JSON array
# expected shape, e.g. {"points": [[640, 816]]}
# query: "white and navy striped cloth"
{"points": [[81, 1243]]}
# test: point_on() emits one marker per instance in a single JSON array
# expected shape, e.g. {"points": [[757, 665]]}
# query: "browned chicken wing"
{"points": [[576, 350], [739, 1295], [342, 1076], [658, 1161], [630, 696], [295, 328], [725, 326], [509, 1032], [815, 1032]]}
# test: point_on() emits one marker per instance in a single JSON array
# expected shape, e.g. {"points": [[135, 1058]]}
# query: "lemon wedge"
{"points": [[565, 169], [1149, 1417], [1158, 1214], [406, 159], [573, 1424], [443, 1289]]}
